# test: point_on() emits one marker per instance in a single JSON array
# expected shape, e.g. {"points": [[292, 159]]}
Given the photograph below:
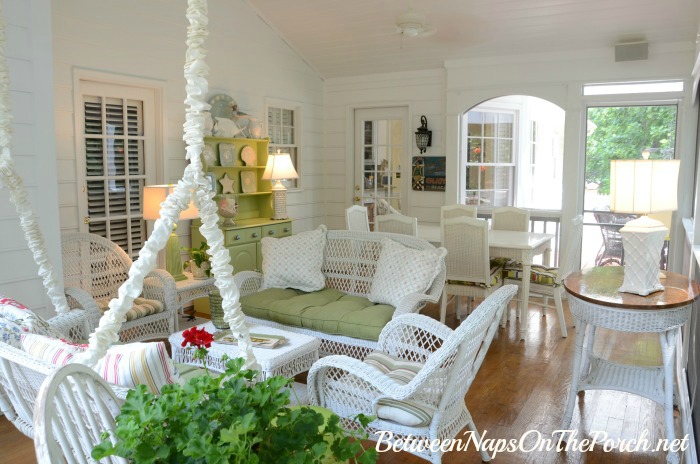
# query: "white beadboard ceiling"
{"points": [[354, 37]]}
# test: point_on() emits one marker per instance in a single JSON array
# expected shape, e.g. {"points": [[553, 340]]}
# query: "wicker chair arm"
{"points": [[160, 285], [75, 325], [414, 302], [248, 282], [402, 330], [362, 372], [79, 298]]}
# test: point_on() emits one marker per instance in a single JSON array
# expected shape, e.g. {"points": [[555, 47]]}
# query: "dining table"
{"points": [[518, 245]]}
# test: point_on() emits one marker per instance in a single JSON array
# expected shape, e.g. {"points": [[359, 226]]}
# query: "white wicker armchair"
{"points": [[93, 270], [450, 360], [74, 407]]}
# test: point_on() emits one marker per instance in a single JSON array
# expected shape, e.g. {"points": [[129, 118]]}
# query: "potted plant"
{"points": [[199, 261], [230, 418]]}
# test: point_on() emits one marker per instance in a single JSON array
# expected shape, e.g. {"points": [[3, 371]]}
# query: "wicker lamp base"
{"points": [[279, 203]]}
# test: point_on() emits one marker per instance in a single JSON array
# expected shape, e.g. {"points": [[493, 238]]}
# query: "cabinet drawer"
{"points": [[277, 230], [235, 237]]}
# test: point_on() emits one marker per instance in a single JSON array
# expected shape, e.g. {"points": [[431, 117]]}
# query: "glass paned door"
{"points": [[380, 138], [619, 132]]}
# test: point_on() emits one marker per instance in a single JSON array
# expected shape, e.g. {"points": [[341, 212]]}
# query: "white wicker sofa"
{"points": [[349, 270]]}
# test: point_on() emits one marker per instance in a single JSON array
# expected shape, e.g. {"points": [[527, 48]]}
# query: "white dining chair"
{"points": [[469, 270], [453, 211], [397, 224], [510, 218], [356, 218], [547, 282]]}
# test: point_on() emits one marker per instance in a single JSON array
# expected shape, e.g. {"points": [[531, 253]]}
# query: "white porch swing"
{"points": [[20, 374]]}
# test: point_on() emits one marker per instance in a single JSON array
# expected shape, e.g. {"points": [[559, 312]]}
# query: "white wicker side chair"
{"points": [[548, 281], [396, 224], [469, 268], [453, 211], [74, 407], [356, 218], [416, 381], [93, 270], [510, 218]]}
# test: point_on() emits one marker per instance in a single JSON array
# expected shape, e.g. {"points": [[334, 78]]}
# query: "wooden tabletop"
{"points": [[599, 285]]}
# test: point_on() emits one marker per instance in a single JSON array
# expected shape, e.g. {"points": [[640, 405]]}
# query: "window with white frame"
{"points": [[283, 129], [115, 160], [488, 158]]}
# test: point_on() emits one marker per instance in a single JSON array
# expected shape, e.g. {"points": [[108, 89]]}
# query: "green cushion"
{"points": [[496, 274], [328, 310], [539, 274]]}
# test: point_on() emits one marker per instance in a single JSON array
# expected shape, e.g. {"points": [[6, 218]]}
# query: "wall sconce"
{"points": [[424, 137]]}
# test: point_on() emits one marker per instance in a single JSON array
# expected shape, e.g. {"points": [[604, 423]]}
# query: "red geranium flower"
{"points": [[199, 338], [477, 150]]}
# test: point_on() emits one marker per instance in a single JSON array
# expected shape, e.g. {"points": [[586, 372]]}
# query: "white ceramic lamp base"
{"points": [[279, 203], [642, 240]]}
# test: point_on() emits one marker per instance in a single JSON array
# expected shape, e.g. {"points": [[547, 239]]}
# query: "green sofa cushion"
{"points": [[329, 310]]}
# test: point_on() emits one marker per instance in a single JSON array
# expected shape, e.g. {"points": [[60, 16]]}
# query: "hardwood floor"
{"points": [[521, 387]]}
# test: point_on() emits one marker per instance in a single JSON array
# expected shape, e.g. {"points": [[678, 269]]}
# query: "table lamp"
{"points": [[279, 167], [153, 196], [643, 187]]}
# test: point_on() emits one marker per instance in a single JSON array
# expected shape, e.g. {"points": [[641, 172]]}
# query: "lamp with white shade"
{"points": [[153, 196], [279, 167], [643, 187]]}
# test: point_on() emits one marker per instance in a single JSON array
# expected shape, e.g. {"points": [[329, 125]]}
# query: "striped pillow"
{"points": [[124, 365], [142, 307], [138, 363], [410, 413]]}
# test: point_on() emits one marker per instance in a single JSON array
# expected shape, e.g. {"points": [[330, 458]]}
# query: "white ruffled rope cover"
{"points": [[192, 186], [18, 194]]}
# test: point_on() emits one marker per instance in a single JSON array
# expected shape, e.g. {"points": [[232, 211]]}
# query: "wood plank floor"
{"points": [[521, 386]]}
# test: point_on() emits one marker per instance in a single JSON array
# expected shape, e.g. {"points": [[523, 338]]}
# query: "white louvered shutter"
{"points": [[115, 149]]}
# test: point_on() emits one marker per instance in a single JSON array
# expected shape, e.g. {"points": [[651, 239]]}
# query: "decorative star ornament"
{"points": [[227, 184]]}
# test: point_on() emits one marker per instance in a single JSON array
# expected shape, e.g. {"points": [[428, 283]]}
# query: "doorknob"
{"points": [[357, 199], [357, 187]]}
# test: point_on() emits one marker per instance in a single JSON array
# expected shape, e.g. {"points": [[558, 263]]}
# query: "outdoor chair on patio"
{"points": [[611, 252], [416, 381]]}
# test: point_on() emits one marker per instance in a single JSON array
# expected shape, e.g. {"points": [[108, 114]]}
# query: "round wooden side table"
{"points": [[595, 302]]}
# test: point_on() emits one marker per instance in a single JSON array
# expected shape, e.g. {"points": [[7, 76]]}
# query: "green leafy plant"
{"points": [[198, 256], [232, 418]]}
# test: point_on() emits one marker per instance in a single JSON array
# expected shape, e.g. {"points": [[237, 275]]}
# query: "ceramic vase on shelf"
{"points": [[228, 209]]}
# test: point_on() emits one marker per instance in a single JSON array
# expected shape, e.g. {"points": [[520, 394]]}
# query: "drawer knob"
{"points": [[237, 237], [255, 235], [286, 229], [270, 232]]}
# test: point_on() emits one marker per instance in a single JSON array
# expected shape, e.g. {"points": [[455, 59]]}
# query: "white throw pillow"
{"points": [[294, 262], [402, 271]]}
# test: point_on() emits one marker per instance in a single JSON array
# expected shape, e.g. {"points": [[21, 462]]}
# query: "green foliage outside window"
{"points": [[622, 133]]}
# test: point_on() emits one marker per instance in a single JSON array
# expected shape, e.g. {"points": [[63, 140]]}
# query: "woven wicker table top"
{"points": [[599, 285]]}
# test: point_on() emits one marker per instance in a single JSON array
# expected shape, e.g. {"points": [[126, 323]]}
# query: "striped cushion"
{"points": [[496, 275], [397, 369], [125, 365], [138, 363], [539, 274], [142, 307], [409, 413]]}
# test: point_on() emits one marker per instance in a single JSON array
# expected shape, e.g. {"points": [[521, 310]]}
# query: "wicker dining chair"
{"points": [[547, 282], [416, 381], [356, 218], [453, 211], [93, 270], [469, 269], [74, 407], [510, 218], [396, 224]]}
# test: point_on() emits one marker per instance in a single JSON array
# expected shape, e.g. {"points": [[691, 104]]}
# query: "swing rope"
{"points": [[193, 186]]}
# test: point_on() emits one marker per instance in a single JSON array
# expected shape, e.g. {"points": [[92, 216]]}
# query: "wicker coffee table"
{"points": [[292, 358]]}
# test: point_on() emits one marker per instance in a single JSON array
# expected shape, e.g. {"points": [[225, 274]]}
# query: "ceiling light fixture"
{"points": [[412, 23]]}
